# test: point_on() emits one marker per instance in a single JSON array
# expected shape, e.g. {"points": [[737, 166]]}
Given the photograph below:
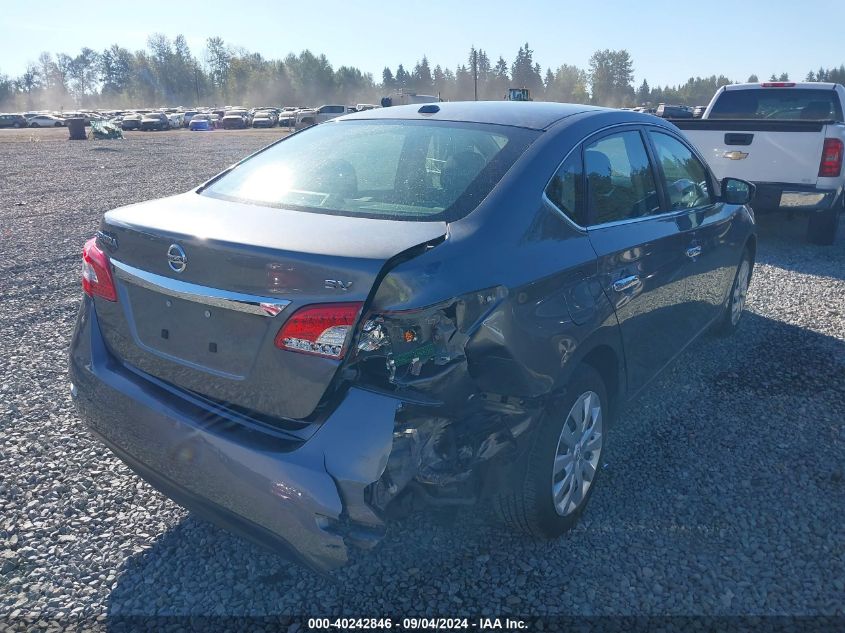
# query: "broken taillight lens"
{"points": [[96, 274], [322, 330]]}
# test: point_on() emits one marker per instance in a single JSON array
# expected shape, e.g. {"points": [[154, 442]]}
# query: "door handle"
{"points": [[693, 252], [621, 285]]}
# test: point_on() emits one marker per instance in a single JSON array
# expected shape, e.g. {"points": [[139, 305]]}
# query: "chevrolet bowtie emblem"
{"points": [[735, 155]]}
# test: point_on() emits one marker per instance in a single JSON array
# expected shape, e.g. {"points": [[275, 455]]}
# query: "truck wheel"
{"points": [[822, 226], [552, 482]]}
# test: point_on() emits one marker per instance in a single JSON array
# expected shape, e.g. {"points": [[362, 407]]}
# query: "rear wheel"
{"points": [[822, 227], [553, 481]]}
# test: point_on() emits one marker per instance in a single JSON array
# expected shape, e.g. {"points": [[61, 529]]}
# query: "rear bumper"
{"points": [[791, 197], [297, 495]]}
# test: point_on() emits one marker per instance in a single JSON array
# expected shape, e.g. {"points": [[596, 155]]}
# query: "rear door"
{"points": [[640, 248]]}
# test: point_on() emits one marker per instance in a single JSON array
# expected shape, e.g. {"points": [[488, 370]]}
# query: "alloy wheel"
{"points": [[740, 292], [578, 453]]}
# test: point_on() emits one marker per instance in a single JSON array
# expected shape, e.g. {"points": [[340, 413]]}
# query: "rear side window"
{"points": [[399, 170], [778, 104], [684, 177], [566, 189], [620, 182]]}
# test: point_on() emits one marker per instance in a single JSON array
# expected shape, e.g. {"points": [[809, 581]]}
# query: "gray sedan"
{"points": [[446, 303]]}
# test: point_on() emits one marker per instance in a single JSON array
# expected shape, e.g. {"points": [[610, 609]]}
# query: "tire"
{"points": [[529, 505], [734, 308], [822, 226]]}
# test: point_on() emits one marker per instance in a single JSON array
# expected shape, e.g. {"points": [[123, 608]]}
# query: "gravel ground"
{"points": [[723, 492]]}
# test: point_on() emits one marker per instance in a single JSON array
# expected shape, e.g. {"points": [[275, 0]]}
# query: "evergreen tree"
{"points": [[388, 83], [403, 78], [643, 93]]}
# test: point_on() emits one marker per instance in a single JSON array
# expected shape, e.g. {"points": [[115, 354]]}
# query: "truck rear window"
{"points": [[418, 171], [778, 104]]}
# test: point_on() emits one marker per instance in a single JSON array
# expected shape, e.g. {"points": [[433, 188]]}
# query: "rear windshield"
{"points": [[778, 104], [399, 170]]}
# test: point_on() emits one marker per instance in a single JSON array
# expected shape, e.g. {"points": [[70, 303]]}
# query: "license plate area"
{"points": [[206, 336]]}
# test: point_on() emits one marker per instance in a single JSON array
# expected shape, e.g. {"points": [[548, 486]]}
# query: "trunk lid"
{"points": [[245, 269]]}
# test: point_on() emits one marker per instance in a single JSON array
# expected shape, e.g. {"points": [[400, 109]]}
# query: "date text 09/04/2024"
{"points": [[481, 624]]}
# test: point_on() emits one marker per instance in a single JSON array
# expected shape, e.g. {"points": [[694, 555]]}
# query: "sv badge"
{"points": [[337, 284]]}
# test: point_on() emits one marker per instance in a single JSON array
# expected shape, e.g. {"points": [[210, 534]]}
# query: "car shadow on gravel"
{"points": [[723, 498]]}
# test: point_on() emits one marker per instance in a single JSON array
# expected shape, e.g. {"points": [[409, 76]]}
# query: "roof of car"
{"points": [[537, 115]]}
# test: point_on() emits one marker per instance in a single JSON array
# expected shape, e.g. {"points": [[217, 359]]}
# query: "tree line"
{"points": [[168, 73]]}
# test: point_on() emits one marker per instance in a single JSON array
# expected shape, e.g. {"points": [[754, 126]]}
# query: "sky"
{"points": [[668, 41]]}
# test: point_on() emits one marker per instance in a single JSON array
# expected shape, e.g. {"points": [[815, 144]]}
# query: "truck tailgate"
{"points": [[759, 151]]}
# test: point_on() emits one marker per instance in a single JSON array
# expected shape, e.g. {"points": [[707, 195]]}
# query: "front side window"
{"points": [[684, 177], [566, 189], [400, 170], [620, 183]]}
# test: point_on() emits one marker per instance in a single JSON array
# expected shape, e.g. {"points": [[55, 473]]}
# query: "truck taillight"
{"points": [[778, 84], [831, 163], [96, 275], [321, 329]]}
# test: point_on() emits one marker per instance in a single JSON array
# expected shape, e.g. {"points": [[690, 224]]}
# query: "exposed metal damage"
{"points": [[448, 430]]}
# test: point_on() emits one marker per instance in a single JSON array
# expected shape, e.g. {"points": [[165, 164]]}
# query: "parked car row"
{"points": [[227, 117]]}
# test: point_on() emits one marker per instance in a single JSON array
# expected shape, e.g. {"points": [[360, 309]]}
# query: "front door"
{"points": [[710, 259]]}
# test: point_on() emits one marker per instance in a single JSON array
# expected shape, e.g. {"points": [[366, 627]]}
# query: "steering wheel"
{"points": [[687, 193]]}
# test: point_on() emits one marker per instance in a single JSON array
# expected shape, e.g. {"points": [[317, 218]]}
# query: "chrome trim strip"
{"points": [[657, 216], [251, 304]]}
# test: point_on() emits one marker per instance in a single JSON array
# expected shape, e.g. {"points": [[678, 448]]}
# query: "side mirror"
{"points": [[736, 191]]}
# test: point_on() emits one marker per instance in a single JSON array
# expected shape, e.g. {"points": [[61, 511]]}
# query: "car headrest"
{"points": [[337, 177], [459, 170]]}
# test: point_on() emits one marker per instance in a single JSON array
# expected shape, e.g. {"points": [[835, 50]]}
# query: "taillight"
{"points": [[321, 329], [778, 84], [96, 276], [831, 163]]}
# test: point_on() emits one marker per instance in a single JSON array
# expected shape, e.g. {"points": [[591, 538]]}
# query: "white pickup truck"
{"points": [[788, 139], [312, 116]]}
